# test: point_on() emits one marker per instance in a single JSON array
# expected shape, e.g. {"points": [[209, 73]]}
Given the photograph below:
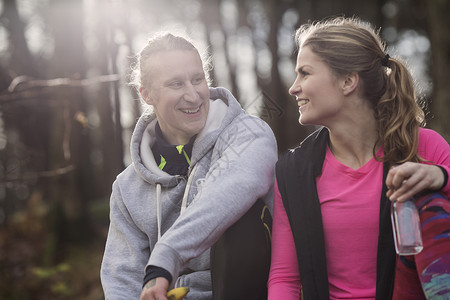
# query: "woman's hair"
{"points": [[161, 42], [349, 45]]}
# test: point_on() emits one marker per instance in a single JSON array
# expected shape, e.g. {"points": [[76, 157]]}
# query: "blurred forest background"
{"points": [[66, 111]]}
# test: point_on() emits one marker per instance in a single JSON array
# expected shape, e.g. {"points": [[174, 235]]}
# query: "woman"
{"points": [[199, 163], [332, 235]]}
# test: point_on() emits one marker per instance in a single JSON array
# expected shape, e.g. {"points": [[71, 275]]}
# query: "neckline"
{"points": [[366, 168]]}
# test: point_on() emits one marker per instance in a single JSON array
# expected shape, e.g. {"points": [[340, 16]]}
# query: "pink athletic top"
{"points": [[350, 201]]}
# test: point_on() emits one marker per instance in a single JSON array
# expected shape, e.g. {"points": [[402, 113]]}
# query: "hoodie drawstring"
{"points": [[186, 190], [183, 203], [158, 208]]}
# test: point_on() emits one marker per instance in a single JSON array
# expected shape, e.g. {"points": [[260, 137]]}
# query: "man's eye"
{"points": [[197, 80], [176, 84]]}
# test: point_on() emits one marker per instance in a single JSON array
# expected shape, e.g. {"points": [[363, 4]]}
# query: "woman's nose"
{"points": [[295, 88]]}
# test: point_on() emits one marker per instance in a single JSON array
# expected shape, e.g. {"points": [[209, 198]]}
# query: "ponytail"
{"points": [[399, 116]]}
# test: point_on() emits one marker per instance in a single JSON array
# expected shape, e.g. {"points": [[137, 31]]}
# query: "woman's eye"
{"points": [[303, 73]]}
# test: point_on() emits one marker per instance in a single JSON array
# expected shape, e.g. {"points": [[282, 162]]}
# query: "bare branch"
{"points": [[42, 174], [27, 84], [21, 87]]}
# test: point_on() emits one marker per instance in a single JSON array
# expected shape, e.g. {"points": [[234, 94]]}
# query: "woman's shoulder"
{"points": [[427, 136], [310, 152], [432, 146], [314, 141]]}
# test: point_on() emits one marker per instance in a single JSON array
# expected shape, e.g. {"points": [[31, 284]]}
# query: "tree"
{"points": [[69, 141], [439, 35]]}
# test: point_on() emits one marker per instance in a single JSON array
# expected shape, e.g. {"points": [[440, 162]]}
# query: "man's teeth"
{"points": [[191, 111]]}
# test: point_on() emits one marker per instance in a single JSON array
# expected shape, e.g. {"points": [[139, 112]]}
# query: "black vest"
{"points": [[296, 173]]}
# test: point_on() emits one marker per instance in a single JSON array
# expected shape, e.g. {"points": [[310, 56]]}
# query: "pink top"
{"points": [[350, 210]]}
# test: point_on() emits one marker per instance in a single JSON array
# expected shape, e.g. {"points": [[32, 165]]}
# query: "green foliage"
{"points": [[55, 278], [46, 273], [26, 271]]}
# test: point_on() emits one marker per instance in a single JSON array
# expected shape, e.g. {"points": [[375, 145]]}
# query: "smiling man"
{"points": [[199, 163]]}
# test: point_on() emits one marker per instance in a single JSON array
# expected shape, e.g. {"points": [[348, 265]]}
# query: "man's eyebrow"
{"points": [[176, 77]]}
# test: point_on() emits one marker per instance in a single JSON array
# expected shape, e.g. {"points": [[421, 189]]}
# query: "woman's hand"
{"points": [[155, 289], [406, 180]]}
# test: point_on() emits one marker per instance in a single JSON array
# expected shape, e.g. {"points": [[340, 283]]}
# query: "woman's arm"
{"points": [[284, 277], [410, 178]]}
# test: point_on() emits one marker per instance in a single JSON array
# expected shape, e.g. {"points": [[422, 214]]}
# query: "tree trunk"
{"points": [[21, 60], [25, 120], [69, 145], [439, 33], [283, 112], [107, 104]]}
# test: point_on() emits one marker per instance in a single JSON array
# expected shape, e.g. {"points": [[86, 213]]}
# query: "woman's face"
{"points": [[179, 94], [316, 90]]}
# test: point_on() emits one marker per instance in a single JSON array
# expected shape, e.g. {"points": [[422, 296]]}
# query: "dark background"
{"points": [[67, 111]]}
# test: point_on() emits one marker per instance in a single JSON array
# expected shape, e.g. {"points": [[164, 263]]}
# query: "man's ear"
{"points": [[145, 95], [350, 83]]}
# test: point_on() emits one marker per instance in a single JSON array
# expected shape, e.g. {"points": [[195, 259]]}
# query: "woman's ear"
{"points": [[145, 95], [350, 83]]}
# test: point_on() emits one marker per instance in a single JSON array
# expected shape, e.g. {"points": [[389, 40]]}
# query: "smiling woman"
{"points": [[335, 226], [199, 164], [316, 90]]}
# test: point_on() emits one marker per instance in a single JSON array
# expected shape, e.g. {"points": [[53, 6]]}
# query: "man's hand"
{"points": [[155, 289]]}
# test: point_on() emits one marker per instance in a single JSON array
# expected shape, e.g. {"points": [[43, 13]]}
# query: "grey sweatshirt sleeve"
{"points": [[126, 253], [242, 171]]}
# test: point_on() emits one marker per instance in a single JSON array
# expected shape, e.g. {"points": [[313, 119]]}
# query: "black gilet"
{"points": [[296, 172]]}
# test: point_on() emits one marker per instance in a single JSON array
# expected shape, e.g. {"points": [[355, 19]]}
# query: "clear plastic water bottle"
{"points": [[406, 227]]}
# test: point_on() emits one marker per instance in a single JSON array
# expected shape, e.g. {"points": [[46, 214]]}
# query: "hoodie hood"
{"points": [[223, 109]]}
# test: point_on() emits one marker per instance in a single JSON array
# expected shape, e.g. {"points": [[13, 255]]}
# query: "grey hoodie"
{"points": [[232, 165]]}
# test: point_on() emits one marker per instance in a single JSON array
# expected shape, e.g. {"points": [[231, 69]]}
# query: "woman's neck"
{"points": [[352, 141]]}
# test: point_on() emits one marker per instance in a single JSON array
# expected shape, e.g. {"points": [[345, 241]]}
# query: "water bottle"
{"points": [[406, 227]]}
